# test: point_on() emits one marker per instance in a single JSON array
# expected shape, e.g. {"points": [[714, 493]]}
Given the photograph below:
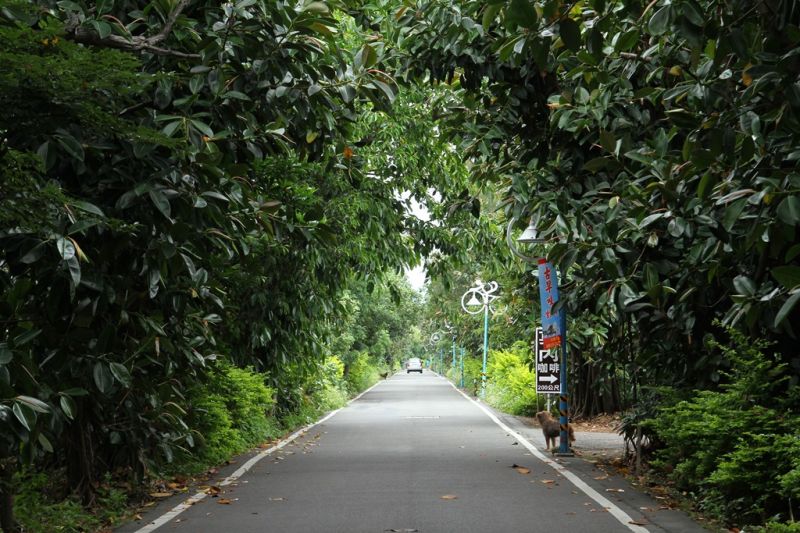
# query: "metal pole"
{"points": [[454, 358], [563, 406], [441, 360], [462, 367], [485, 344]]}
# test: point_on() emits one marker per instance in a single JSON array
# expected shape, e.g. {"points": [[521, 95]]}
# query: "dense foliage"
{"points": [[655, 146], [192, 188], [737, 448], [653, 143], [181, 185]]}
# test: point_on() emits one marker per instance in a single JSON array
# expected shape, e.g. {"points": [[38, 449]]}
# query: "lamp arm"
{"points": [[513, 247]]}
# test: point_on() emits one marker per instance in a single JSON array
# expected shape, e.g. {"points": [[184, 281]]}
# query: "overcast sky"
{"points": [[416, 276]]}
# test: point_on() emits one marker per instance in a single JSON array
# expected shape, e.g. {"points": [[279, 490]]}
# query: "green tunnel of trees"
{"points": [[186, 182]]}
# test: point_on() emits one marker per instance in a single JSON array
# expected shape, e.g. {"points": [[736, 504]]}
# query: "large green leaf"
{"points": [[65, 248], [103, 378], [788, 276], [489, 15], [786, 308], [522, 13], [121, 373], [160, 201], [6, 355], [570, 32], [34, 403], [24, 338], [789, 210], [660, 21], [70, 145], [744, 285], [25, 415], [68, 406]]}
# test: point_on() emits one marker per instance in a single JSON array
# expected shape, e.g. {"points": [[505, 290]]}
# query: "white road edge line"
{"points": [[623, 517], [181, 507]]}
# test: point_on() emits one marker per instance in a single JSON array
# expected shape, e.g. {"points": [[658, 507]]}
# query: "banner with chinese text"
{"points": [[548, 292]]}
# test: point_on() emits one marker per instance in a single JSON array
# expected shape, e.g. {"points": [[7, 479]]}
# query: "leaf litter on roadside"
{"points": [[449, 497]]}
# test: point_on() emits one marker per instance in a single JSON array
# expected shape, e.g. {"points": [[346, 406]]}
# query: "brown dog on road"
{"points": [[551, 428]]}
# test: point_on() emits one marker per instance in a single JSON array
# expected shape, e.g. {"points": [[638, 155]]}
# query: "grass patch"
{"points": [[41, 508]]}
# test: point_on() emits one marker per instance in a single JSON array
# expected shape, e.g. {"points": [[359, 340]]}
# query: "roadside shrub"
{"points": [[472, 375], [511, 383], [333, 391], [778, 527], [454, 373], [737, 450], [229, 413], [362, 373]]}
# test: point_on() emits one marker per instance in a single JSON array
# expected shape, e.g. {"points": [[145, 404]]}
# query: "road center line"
{"points": [[186, 504], [623, 517]]}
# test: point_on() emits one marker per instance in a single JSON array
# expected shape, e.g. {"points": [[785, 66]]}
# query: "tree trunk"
{"points": [[7, 522], [81, 462]]}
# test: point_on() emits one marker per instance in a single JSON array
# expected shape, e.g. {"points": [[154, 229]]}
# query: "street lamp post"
{"points": [[434, 340], [531, 236], [474, 306], [462, 367], [454, 357]]}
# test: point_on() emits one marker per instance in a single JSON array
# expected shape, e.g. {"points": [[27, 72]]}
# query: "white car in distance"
{"points": [[413, 365]]}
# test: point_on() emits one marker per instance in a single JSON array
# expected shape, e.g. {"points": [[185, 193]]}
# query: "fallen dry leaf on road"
{"points": [[160, 494], [449, 497], [521, 469], [213, 490], [600, 478], [277, 499], [638, 522], [548, 481], [615, 490], [224, 501]]}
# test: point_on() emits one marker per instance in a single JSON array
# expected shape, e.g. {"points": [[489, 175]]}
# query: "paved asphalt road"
{"points": [[413, 454]]}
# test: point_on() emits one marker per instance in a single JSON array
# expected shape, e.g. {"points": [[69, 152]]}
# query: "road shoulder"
{"points": [[653, 514]]}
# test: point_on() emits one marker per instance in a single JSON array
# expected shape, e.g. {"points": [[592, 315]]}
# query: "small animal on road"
{"points": [[551, 428], [385, 375]]}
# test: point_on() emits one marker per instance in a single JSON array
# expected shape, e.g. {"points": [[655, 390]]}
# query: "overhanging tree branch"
{"points": [[167, 29], [83, 35]]}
